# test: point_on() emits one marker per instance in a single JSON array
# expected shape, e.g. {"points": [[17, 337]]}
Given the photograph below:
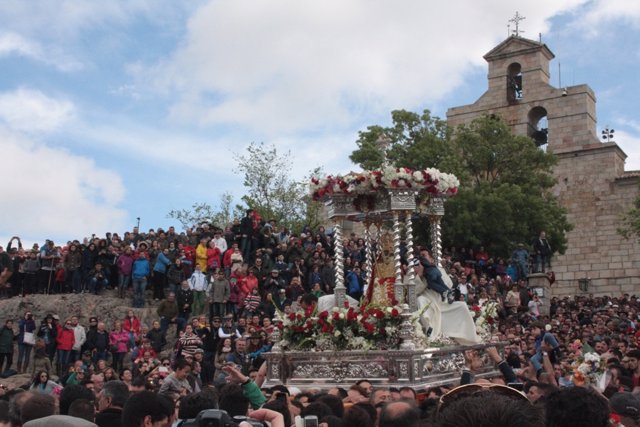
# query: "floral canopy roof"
{"points": [[429, 182]]}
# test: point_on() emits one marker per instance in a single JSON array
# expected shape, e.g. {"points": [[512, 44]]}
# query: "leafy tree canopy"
{"points": [[204, 212], [631, 221], [505, 195], [270, 189]]}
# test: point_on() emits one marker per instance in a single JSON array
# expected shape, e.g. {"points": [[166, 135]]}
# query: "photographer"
{"points": [[97, 279]]}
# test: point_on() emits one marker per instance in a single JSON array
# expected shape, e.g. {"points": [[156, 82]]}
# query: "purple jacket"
{"points": [[125, 263]]}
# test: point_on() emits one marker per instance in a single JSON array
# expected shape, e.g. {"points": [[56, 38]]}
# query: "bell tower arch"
{"points": [[519, 91]]}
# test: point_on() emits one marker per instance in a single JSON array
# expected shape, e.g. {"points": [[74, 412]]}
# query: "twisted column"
{"points": [[398, 288], [368, 254], [339, 290], [411, 288], [436, 212]]}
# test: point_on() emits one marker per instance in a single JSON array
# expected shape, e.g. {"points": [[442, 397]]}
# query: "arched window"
{"points": [[538, 127], [514, 83]]}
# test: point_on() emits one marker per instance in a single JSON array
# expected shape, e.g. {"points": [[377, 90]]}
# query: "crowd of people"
{"points": [[220, 289]]}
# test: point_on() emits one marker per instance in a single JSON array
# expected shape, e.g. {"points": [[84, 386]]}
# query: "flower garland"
{"points": [[368, 327], [430, 181], [486, 317]]}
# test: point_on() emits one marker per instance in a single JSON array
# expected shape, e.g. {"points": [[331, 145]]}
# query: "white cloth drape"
{"points": [[451, 320]]}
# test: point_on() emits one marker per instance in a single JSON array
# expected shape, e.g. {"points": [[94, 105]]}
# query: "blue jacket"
{"points": [[141, 268], [162, 263]]}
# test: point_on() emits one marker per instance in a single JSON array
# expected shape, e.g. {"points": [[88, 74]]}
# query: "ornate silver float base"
{"points": [[419, 369]]}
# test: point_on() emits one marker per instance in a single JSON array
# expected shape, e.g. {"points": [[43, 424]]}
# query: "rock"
{"points": [[107, 307]]}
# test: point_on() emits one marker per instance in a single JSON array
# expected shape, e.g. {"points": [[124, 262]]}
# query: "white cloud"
{"points": [[604, 16], [15, 44], [50, 192], [627, 135], [286, 66], [30, 111]]}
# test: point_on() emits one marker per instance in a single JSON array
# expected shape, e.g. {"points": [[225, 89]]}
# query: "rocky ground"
{"points": [[107, 307]]}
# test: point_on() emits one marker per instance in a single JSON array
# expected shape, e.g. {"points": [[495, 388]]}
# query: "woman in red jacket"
{"points": [[131, 325], [65, 339], [213, 256]]}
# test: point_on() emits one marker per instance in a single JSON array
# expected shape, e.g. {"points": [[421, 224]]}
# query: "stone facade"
{"points": [[592, 183]]}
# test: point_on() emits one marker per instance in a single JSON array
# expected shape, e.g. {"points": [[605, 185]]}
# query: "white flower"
{"points": [[584, 369], [341, 316], [337, 333], [592, 357]]}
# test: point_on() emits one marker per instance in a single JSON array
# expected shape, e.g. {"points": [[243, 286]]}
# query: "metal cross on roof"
{"points": [[516, 20]]}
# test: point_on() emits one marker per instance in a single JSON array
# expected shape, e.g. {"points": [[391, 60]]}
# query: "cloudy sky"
{"points": [[112, 110]]}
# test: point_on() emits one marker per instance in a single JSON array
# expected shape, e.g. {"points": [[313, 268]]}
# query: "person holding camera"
{"points": [[97, 279]]}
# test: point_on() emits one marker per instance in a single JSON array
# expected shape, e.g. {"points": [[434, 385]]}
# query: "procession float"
{"points": [[400, 333]]}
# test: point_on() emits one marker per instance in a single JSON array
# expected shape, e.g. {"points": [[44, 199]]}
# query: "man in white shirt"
{"points": [[220, 242], [80, 338]]}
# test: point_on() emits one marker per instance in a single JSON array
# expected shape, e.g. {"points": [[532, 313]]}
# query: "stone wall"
{"points": [[592, 183]]}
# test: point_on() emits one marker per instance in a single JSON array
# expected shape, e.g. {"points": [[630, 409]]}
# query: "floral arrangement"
{"points": [[486, 317], [588, 368], [370, 326], [430, 181]]}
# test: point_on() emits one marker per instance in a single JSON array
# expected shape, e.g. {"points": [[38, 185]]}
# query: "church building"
{"points": [[592, 183]]}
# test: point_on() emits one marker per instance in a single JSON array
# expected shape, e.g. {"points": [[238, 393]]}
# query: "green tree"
{"points": [[201, 212], [270, 189], [630, 221], [504, 197]]}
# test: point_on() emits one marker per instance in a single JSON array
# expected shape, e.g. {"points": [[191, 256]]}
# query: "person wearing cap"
{"points": [[228, 329], [627, 406]]}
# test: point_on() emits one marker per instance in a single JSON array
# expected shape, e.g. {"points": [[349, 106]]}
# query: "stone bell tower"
{"points": [[520, 92], [592, 183]]}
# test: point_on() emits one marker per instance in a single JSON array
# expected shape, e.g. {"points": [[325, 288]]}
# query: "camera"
{"points": [[218, 418]]}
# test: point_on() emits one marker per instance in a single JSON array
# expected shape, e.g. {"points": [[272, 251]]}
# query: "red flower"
{"points": [[378, 314], [324, 315], [336, 316], [614, 419], [395, 313], [326, 329], [292, 316], [369, 327]]}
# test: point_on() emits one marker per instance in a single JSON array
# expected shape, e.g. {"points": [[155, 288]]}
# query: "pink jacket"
{"points": [[119, 340]]}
